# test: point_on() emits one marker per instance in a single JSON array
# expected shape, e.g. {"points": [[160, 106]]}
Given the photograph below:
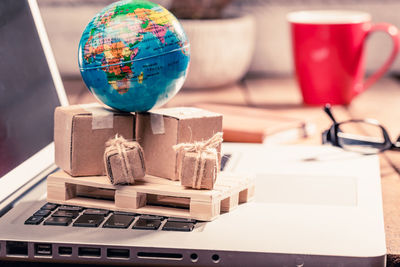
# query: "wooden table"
{"points": [[381, 101]]}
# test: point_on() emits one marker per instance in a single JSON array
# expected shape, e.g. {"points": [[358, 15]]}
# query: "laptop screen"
{"points": [[27, 91]]}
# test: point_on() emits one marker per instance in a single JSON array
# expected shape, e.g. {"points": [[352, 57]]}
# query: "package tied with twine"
{"points": [[198, 162], [124, 161]]}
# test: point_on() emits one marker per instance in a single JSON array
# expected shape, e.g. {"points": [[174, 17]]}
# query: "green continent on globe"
{"points": [[134, 55]]}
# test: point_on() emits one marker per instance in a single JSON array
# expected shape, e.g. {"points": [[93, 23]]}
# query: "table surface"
{"points": [[381, 102]]}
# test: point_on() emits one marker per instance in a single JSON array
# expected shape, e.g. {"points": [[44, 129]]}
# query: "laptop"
{"points": [[313, 206]]}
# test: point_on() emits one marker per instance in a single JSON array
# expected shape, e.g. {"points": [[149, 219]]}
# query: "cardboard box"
{"points": [[198, 171], [126, 164], [159, 130], [80, 134]]}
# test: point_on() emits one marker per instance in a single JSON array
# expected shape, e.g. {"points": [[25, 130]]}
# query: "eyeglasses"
{"points": [[373, 138]]}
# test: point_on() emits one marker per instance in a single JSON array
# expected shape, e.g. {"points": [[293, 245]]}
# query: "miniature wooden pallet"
{"points": [[151, 195]]}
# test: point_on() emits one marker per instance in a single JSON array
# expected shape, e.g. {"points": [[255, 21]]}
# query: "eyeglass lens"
{"points": [[370, 141]]}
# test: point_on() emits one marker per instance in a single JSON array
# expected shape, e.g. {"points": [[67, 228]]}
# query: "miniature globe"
{"points": [[134, 55]]}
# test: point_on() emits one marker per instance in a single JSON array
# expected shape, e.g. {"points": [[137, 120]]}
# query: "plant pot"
{"points": [[221, 50]]}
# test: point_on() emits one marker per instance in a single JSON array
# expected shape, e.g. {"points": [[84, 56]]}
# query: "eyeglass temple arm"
{"points": [[328, 111], [351, 141]]}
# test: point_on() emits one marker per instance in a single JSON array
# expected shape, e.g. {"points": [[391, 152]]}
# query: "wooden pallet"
{"points": [[151, 195]]}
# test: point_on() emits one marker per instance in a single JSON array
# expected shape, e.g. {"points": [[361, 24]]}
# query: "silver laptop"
{"points": [[313, 206]]}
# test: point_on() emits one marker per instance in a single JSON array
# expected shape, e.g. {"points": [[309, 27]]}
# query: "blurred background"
{"points": [[270, 51], [267, 105]]}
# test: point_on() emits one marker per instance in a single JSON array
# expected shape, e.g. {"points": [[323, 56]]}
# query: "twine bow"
{"points": [[201, 148], [121, 145]]}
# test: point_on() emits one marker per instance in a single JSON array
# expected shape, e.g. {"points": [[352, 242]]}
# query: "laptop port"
{"points": [[194, 257], [65, 251], [118, 253], [16, 248], [215, 258], [43, 249], [160, 256], [89, 252]]}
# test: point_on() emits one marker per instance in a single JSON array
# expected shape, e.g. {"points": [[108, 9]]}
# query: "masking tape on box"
{"points": [[157, 123], [183, 112], [101, 117]]}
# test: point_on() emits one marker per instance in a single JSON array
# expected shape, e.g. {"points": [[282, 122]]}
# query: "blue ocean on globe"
{"points": [[134, 55]]}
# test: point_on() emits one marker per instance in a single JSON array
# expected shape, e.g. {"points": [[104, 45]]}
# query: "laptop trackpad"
{"points": [[309, 190]]}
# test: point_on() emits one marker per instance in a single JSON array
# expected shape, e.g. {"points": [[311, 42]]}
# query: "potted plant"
{"points": [[221, 45]]}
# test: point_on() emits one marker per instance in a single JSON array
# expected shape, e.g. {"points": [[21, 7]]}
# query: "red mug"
{"points": [[328, 48]]}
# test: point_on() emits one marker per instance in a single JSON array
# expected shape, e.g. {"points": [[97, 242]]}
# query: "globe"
{"points": [[134, 55]]}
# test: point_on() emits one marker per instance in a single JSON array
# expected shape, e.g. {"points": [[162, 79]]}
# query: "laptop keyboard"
{"points": [[62, 215]]}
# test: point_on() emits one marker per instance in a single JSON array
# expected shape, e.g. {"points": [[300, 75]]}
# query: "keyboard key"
{"points": [[35, 220], [87, 220], [70, 208], [43, 213], [178, 226], [49, 206], [173, 219], [62, 221], [118, 221], [147, 224], [151, 217], [96, 212], [125, 213], [66, 213]]}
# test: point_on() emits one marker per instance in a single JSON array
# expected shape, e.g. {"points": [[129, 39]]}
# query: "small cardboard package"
{"points": [[80, 134], [199, 171], [159, 130], [124, 161], [198, 163]]}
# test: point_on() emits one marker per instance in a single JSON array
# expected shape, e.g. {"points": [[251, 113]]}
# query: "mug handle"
{"points": [[394, 33]]}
